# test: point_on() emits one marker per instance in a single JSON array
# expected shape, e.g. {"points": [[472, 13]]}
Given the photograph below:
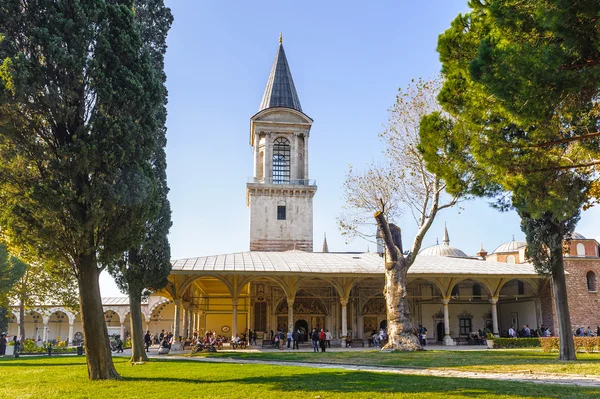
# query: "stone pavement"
{"points": [[518, 376]]}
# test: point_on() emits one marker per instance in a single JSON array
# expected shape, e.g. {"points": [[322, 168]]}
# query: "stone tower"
{"points": [[280, 194]]}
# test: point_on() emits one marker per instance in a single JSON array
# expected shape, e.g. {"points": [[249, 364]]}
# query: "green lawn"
{"points": [[509, 360], [66, 377]]}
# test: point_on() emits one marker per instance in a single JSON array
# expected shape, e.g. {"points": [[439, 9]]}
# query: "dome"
{"points": [[511, 246], [443, 250], [577, 236]]}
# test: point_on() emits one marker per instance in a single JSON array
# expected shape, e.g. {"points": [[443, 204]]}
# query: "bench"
{"points": [[267, 342]]}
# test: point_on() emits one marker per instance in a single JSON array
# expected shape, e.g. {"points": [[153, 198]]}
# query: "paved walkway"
{"points": [[520, 376]]}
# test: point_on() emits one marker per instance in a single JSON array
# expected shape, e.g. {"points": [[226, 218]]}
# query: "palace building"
{"points": [[281, 283]]}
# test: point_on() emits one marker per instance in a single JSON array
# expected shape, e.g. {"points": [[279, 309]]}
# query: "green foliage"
{"points": [[511, 343], [147, 264], [587, 344], [78, 128], [11, 270]]}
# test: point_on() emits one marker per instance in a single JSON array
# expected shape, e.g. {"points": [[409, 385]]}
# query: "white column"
{"points": [[344, 303], [268, 157], [184, 313], [361, 327], [256, 158], [234, 305], [70, 333], [290, 303], [448, 341], [45, 319], [305, 156], [294, 158], [123, 330], [494, 301], [177, 319], [538, 312]]}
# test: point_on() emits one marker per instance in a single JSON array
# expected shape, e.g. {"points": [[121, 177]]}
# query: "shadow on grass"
{"points": [[421, 359], [376, 384]]}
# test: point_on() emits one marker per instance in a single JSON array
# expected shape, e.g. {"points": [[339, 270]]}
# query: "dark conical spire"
{"points": [[280, 90], [446, 236], [325, 246]]}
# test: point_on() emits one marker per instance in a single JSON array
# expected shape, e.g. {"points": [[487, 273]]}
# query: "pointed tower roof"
{"points": [[446, 240], [280, 90], [325, 247]]}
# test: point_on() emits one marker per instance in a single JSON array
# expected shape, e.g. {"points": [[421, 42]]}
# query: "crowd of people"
{"points": [[527, 332]]}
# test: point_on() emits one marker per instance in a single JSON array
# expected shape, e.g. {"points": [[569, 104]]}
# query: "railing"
{"points": [[297, 182]]}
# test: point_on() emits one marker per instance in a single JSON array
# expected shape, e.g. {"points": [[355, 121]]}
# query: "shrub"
{"points": [[507, 343], [586, 343], [61, 344], [549, 343]]}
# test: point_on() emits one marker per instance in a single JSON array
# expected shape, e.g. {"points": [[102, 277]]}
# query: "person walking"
{"points": [[289, 339], [328, 338], [295, 337], [147, 340], [314, 337], [322, 340]]}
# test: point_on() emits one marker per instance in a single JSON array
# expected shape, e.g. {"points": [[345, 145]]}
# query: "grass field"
{"points": [[509, 360], [66, 377]]}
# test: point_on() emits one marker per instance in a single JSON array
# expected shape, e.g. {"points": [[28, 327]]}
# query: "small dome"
{"points": [[511, 246], [577, 236], [443, 250]]}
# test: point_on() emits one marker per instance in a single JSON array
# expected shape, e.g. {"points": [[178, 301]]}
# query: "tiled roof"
{"points": [[338, 263], [280, 90]]}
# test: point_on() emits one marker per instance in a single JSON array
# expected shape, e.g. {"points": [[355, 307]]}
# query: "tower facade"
{"points": [[280, 194]]}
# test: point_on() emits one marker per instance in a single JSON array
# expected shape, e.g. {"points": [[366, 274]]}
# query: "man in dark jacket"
{"points": [[147, 340]]}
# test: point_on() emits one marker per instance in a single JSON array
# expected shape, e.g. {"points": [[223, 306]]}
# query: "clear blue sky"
{"points": [[348, 59]]}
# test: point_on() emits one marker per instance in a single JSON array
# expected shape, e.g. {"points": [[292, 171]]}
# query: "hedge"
{"points": [[549, 344], [508, 343]]}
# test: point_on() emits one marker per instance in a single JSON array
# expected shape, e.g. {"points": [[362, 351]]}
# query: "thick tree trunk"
{"points": [[402, 335], [95, 333], [559, 286], [138, 350]]}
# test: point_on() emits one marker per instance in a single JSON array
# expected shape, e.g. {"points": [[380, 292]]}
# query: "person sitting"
{"points": [[348, 341]]}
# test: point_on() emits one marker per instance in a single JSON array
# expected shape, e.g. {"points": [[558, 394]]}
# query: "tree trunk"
{"points": [[95, 333], [138, 350], [401, 333], [22, 320], [559, 286]]}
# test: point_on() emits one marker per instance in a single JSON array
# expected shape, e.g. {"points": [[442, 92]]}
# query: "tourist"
{"points": [[423, 335], [328, 338], [588, 333], [119, 343], [322, 342], [511, 332], [250, 337], [289, 339], [597, 331], [314, 337], [147, 340], [295, 338], [375, 337]]}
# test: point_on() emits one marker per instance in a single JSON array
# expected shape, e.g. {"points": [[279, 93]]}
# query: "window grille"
{"points": [[281, 161], [281, 212]]}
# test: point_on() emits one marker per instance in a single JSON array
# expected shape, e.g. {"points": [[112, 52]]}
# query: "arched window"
{"points": [[580, 249], [591, 281], [476, 291], [281, 161], [455, 291]]}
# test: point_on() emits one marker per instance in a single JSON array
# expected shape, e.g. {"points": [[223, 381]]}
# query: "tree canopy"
{"points": [[521, 88], [81, 124]]}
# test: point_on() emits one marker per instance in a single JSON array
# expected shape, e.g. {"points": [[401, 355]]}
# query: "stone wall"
{"points": [[584, 305]]}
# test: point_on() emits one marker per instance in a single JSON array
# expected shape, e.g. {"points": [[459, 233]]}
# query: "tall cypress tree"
{"points": [[79, 137]]}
